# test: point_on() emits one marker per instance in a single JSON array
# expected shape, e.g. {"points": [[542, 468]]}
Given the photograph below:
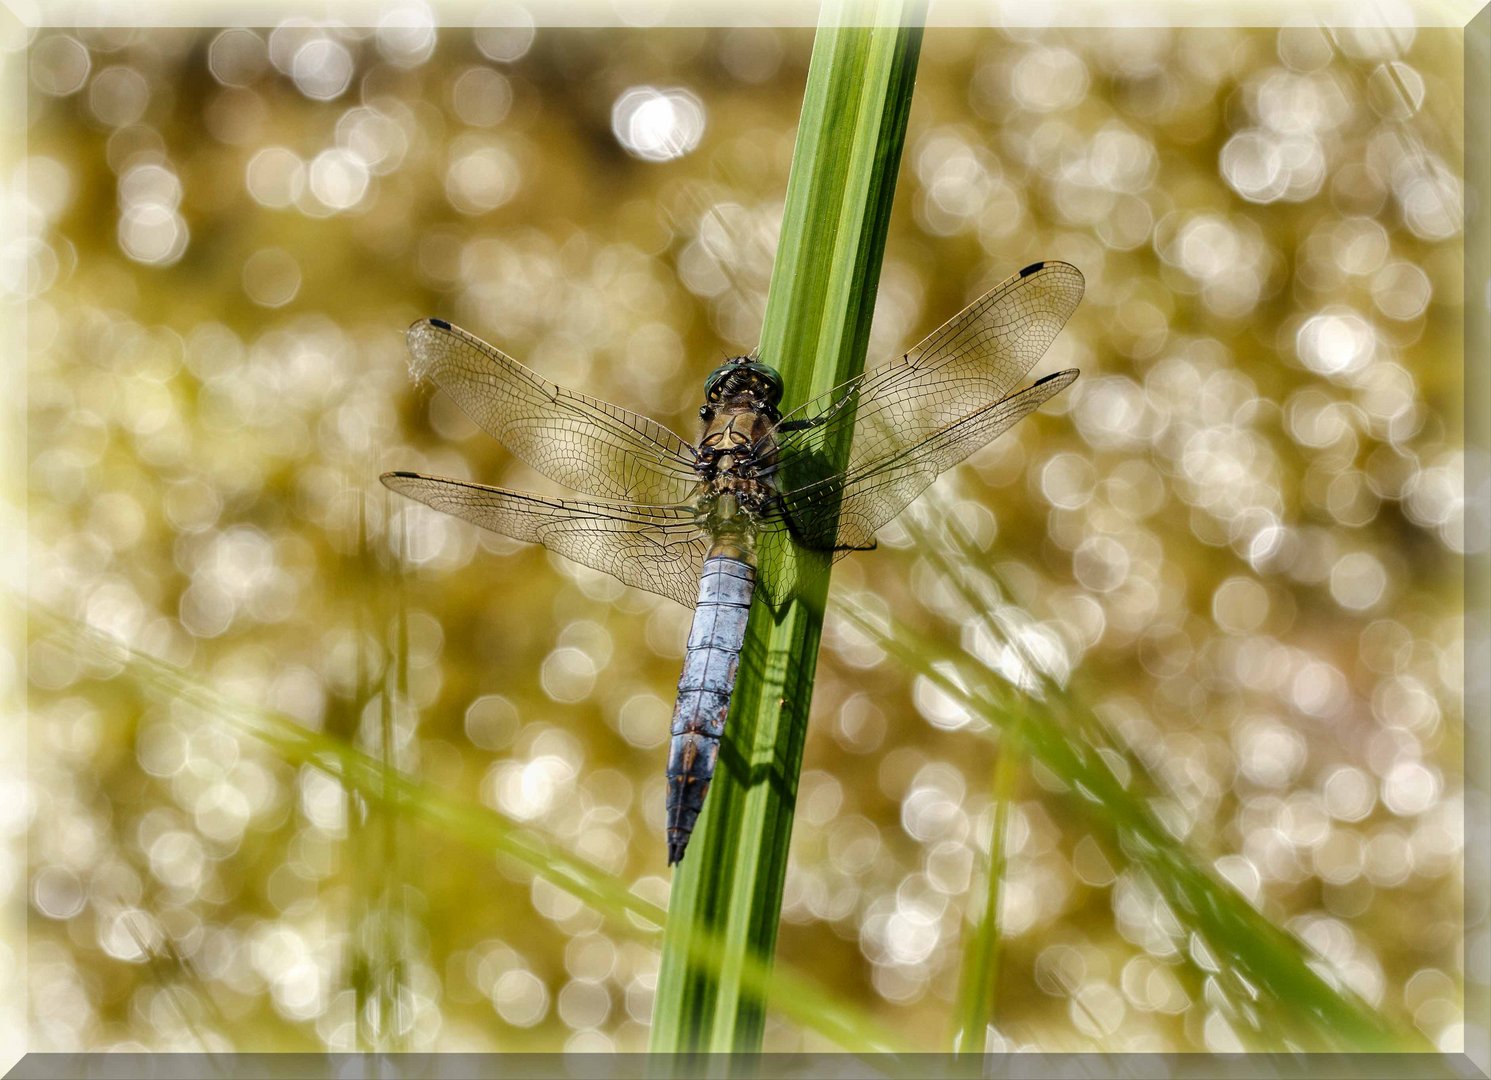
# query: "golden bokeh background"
{"points": [[1239, 534]]}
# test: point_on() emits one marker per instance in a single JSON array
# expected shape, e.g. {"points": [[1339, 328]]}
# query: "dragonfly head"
{"points": [[744, 377]]}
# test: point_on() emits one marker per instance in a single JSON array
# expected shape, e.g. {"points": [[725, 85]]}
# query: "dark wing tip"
{"points": [[427, 346], [1051, 264], [419, 324], [405, 474], [392, 480], [1057, 382], [1054, 265]]}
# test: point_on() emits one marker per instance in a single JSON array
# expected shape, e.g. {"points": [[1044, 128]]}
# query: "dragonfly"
{"points": [[683, 519]]}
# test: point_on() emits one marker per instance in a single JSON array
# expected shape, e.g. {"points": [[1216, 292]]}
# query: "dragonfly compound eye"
{"points": [[744, 377]]}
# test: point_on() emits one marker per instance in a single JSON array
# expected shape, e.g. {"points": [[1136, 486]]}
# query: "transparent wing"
{"points": [[657, 548], [973, 360], [916, 417], [584, 443], [843, 512]]}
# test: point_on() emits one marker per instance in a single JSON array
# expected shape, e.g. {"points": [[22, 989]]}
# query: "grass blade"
{"points": [[976, 1000], [1279, 988], [397, 794], [816, 329]]}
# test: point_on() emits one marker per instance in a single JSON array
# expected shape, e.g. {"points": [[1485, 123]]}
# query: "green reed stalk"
{"points": [[374, 963], [822, 296], [980, 979]]}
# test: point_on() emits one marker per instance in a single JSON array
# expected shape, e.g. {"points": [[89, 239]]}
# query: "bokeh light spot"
{"points": [[271, 277], [237, 57], [59, 65], [658, 124], [1358, 581], [322, 69]]}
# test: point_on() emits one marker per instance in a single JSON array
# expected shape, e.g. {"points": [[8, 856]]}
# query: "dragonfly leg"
{"points": [[779, 507], [801, 425], [822, 418]]}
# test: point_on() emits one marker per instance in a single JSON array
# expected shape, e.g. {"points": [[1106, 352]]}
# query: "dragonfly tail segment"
{"points": [[704, 690]]}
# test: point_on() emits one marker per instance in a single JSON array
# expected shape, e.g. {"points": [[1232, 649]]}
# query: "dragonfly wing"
{"points": [[972, 361], [842, 513], [582, 442], [657, 548]]}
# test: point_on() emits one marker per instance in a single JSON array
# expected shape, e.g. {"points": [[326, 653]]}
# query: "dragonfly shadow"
{"points": [[762, 744]]}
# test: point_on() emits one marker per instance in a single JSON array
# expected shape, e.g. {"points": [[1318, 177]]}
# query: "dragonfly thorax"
{"points": [[735, 452]]}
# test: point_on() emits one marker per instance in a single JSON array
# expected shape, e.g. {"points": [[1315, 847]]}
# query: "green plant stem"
{"points": [[976, 996], [816, 328]]}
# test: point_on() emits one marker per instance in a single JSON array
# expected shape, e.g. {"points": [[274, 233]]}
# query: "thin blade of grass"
{"points": [[976, 995], [1278, 975], [794, 996], [980, 587], [817, 323], [377, 957]]}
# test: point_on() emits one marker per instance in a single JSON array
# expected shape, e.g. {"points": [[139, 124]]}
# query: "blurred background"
{"points": [[1239, 534]]}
